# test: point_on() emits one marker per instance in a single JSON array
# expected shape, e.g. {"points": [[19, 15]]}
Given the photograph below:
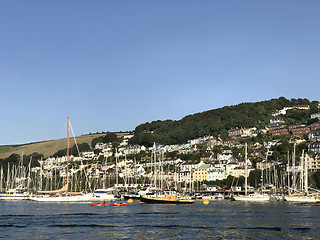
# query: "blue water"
{"points": [[218, 220]]}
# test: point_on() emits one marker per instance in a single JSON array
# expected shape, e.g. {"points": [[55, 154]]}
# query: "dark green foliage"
{"points": [[228, 182], [108, 138], [316, 178], [14, 159], [254, 178], [214, 122], [83, 147]]}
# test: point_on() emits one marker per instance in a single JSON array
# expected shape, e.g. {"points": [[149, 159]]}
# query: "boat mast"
{"points": [[306, 173], [294, 168], [246, 170], [68, 145]]}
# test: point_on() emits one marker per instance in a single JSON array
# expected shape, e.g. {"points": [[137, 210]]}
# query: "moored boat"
{"points": [[168, 198], [14, 194], [99, 204], [252, 198]]}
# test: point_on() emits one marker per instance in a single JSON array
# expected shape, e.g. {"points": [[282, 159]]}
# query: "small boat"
{"points": [[99, 204], [118, 204], [14, 194], [168, 198], [103, 194]]}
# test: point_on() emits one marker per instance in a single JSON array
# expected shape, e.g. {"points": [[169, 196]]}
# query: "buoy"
{"points": [[130, 201], [205, 202]]}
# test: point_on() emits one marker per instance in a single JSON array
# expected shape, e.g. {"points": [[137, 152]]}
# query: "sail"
{"points": [[63, 189]]}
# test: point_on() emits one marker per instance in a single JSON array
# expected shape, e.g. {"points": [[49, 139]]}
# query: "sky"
{"points": [[113, 65]]}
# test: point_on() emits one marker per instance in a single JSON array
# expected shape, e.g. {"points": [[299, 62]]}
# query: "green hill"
{"points": [[215, 122]]}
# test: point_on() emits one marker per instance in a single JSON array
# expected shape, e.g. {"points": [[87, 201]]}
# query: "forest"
{"points": [[217, 122]]}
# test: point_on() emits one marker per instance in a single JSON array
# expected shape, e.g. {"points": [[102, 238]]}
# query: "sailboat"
{"points": [[62, 195], [301, 197], [251, 197], [16, 188]]}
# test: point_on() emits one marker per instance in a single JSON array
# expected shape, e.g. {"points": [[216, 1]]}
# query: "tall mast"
{"points": [[117, 181], [68, 145], [294, 168], [246, 170], [306, 173]]}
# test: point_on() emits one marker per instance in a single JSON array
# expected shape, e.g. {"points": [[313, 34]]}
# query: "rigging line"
{"points": [[62, 134], [74, 138]]}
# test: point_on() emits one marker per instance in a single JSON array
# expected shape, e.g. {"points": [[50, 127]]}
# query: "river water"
{"points": [[218, 220]]}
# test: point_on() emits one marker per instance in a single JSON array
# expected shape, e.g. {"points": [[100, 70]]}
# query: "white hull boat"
{"points": [[252, 198], [14, 195], [103, 195], [301, 199], [71, 198]]}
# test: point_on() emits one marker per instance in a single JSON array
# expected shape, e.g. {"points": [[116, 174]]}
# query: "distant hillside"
{"points": [[48, 148], [214, 122]]}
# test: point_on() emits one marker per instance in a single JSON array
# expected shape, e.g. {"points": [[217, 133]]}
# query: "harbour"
{"points": [[218, 220]]}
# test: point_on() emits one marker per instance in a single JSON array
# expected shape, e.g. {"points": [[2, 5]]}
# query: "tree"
{"points": [[255, 178], [316, 178]]}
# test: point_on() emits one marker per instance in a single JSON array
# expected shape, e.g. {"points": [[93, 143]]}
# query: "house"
{"points": [[314, 135], [313, 162], [315, 126], [300, 131], [315, 147], [315, 115], [279, 131], [262, 165], [201, 173], [302, 107], [293, 126], [216, 172], [235, 132], [237, 172], [276, 119]]}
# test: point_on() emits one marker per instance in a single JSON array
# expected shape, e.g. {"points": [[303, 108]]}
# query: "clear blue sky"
{"points": [[112, 65]]}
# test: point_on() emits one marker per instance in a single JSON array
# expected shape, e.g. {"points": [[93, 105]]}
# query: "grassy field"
{"points": [[4, 149], [48, 148]]}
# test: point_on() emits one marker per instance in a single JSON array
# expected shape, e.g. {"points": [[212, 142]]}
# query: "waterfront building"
{"points": [[201, 173], [315, 126], [313, 162]]}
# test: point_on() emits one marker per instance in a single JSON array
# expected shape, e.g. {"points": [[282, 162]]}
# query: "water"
{"points": [[218, 220]]}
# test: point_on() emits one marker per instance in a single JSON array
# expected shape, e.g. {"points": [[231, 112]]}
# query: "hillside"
{"points": [[215, 122], [47, 148]]}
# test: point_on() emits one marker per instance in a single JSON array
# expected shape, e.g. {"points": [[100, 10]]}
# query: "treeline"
{"points": [[14, 159], [74, 150], [218, 121]]}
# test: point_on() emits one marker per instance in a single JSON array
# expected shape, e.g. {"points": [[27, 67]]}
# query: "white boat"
{"points": [[14, 194], [208, 197], [62, 198], [252, 198], [301, 199], [103, 195]]}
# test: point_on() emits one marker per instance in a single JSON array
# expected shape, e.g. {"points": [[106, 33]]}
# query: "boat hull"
{"points": [[301, 199], [164, 201], [8, 197], [79, 198], [258, 198], [99, 205]]}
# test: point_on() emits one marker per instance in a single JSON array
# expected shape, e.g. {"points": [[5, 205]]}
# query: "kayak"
{"points": [[99, 204]]}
